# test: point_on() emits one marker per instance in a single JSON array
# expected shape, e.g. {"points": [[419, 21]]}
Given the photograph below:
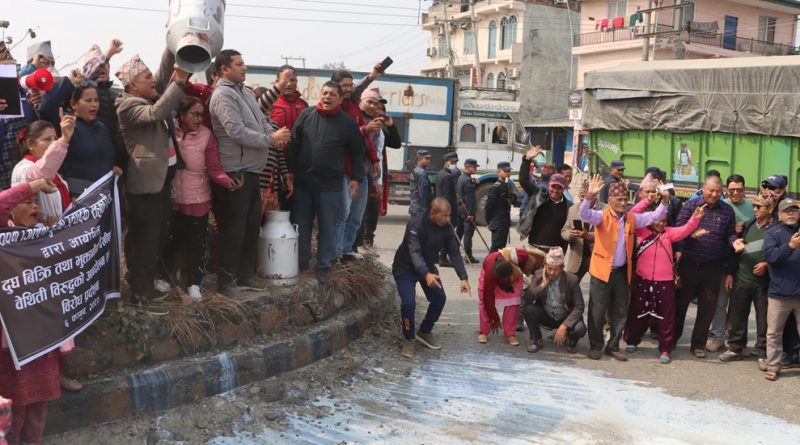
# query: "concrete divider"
{"points": [[188, 379]]}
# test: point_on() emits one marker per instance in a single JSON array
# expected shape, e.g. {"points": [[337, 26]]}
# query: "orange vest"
{"points": [[605, 241]]}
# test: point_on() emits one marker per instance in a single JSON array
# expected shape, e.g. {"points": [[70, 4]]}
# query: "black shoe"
{"points": [[472, 260], [230, 290], [444, 262], [323, 276]]}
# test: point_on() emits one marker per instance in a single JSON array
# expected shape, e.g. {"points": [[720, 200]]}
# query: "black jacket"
{"points": [[498, 206], [318, 148], [419, 251], [465, 192], [446, 187]]}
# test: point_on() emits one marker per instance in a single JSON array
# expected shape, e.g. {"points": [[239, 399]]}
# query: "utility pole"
{"points": [[474, 25], [651, 29], [450, 59], [286, 59], [647, 31]]}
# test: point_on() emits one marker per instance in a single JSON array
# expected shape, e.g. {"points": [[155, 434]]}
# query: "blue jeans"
{"points": [[406, 287], [327, 208], [353, 222], [341, 221]]}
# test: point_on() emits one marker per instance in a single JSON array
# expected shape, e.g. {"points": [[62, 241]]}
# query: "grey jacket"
{"points": [[145, 128], [570, 291], [243, 134]]}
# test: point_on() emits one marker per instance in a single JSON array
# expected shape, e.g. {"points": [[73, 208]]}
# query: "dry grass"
{"points": [[194, 322], [360, 280], [189, 325]]}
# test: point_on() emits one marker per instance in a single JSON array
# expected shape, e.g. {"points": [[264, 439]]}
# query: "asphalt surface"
{"points": [[470, 393], [498, 394]]}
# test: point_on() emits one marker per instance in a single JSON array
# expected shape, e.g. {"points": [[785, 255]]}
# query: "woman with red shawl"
{"points": [[500, 286]]}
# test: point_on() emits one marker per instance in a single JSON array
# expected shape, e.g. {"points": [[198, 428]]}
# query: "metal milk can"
{"points": [[194, 32], [277, 249]]}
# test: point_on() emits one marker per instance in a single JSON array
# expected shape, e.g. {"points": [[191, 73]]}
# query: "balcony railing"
{"points": [[742, 44], [720, 40], [616, 35]]}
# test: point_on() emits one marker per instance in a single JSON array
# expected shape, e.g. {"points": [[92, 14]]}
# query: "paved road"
{"points": [[498, 394], [469, 393]]}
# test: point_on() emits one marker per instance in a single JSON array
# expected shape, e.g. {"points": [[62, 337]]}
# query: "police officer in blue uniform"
{"points": [[446, 188], [498, 207], [467, 206], [419, 185]]}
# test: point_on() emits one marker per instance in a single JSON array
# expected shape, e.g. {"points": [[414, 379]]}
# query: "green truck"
{"points": [[690, 116], [687, 156]]}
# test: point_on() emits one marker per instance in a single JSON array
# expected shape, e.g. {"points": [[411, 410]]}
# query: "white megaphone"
{"points": [[194, 32]]}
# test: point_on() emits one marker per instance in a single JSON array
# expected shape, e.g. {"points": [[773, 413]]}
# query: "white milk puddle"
{"points": [[495, 399]]}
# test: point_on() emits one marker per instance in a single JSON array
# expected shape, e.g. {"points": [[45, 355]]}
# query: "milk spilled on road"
{"points": [[496, 399]]}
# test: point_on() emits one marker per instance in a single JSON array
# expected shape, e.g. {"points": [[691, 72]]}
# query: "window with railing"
{"points": [[501, 81], [443, 50], [766, 28], [469, 42], [490, 80]]}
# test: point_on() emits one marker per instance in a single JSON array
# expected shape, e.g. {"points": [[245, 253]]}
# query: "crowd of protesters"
{"points": [[647, 260], [184, 151], [187, 150]]}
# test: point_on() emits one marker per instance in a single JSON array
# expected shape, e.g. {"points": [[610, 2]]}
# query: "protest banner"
{"points": [[55, 281]]}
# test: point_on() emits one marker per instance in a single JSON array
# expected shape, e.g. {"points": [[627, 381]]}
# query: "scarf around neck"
{"points": [[328, 113]]}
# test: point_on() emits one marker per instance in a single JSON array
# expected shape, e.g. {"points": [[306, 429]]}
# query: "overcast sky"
{"points": [[263, 32]]}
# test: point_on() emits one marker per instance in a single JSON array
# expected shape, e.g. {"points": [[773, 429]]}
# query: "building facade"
{"points": [[612, 31], [523, 46]]}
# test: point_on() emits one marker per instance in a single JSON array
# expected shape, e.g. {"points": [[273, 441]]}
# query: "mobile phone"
{"points": [[239, 173], [577, 224], [669, 186], [385, 64]]}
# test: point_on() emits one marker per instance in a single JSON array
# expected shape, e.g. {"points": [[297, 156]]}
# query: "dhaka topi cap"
{"points": [[617, 190], [555, 257], [130, 69]]}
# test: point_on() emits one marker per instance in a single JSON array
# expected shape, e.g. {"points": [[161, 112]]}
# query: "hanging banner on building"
{"points": [[54, 281]]}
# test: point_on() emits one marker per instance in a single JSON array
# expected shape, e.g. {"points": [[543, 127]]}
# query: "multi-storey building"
{"points": [[612, 31]]}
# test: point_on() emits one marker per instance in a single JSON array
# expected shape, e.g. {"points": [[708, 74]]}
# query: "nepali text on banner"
{"points": [[54, 281]]}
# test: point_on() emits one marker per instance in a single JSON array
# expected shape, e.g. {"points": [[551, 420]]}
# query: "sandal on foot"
{"points": [[771, 375], [699, 353], [664, 359]]}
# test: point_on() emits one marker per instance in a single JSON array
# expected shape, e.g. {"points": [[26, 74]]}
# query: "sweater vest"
{"points": [[606, 236]]}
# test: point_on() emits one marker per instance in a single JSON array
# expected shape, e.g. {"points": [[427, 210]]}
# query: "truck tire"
{"points": [[480, 196]]}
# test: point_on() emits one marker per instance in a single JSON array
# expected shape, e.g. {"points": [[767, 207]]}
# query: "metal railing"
{"points": [[616, 35], [742, 44], [734, 43]]}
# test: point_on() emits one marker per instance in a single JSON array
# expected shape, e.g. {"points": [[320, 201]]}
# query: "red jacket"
{"points": [[285, 110], [352, 109]]}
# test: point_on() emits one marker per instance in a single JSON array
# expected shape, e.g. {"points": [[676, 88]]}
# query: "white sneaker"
{"points": [[194, 293], [354, 255], [161, 286]]}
